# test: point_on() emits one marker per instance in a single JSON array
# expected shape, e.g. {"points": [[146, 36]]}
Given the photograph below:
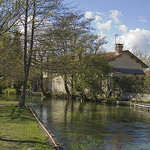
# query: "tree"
{"points": [[10, 11], [11, 54], [36, 12], [88, 82], [59, 46], [143, 55], [70, 38]]}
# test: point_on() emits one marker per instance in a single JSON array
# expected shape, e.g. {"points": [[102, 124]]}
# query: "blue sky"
{"points": [[128, 18]]}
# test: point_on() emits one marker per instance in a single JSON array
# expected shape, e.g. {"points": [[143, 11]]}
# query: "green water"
{"points": [[93, 126]]}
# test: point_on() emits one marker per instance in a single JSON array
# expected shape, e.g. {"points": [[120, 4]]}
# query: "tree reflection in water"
{"points": [[94, 126]]}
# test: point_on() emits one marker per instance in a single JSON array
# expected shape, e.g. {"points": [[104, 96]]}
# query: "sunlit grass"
{"points": [[9, 91], [19, 130]]}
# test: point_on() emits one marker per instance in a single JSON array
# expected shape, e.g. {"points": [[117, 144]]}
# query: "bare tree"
{"points": [[10, 11]]}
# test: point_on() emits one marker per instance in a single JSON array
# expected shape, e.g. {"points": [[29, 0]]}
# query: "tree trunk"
{"points": [[27, 60], [72, 87], [66, 85], [23, 96], [47, 94]]}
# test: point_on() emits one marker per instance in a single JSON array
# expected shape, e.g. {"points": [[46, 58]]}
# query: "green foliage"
{"points": [[2, 85], [146, 88], [88, 82], [9, 91], [131, 84], [73, 39], [59, 48], [1, 89], [10, 58], [7, 87], [17, 85]]}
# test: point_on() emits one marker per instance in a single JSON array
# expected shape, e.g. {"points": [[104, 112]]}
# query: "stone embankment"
{"points": [[132, 104]]}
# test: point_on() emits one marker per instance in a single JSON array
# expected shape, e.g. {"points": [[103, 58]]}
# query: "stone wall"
{"points": [[136, 96]]}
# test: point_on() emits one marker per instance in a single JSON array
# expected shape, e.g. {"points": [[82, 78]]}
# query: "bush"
{"points": [[130, 83], [9, 91]]}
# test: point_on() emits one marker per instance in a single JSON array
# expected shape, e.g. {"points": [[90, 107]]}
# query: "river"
{"points": [[94, 126]]}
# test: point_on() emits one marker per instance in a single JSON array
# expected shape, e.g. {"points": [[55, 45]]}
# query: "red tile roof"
{"points": [[147, 73]]}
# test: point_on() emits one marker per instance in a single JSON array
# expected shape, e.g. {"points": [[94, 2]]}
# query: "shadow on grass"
{"points": [[20, 114], [6, 140], [19, 141], [16, 112]]}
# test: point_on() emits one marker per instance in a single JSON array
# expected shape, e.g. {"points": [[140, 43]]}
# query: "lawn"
{"points": [[19, 130]]}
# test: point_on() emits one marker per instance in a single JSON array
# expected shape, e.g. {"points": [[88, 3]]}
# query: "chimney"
{"points": [[119, 47]]}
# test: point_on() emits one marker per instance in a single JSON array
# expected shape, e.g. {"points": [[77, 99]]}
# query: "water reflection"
{"points": [[92, 126]]}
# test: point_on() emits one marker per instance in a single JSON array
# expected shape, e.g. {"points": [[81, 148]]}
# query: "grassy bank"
{"points": [[19, 130]]}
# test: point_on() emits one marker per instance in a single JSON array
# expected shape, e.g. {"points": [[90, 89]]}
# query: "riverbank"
{"points": [[82, 118], [19, 130], [113, 101]]}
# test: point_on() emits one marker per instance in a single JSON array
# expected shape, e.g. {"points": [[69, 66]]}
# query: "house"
{"points": [[125, 62], [121, 62]]}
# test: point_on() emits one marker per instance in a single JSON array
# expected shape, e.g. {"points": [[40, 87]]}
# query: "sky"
{"points": [[129, 19]]}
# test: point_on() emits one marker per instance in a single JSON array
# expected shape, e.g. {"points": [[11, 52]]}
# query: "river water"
{"points": [[94, 126]]}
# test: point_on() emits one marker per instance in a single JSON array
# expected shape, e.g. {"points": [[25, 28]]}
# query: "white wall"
{"points": [[58, 84], [125, 61]]}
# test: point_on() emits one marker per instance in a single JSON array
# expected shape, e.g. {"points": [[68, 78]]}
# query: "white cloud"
{"points": [[97, 18], [142, 19], [123, 28], [106, 25], [138, 39], [114, 14], [100, 13], [88, 14]]}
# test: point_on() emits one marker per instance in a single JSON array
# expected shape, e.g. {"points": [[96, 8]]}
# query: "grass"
{"points": [[19, 130]]}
